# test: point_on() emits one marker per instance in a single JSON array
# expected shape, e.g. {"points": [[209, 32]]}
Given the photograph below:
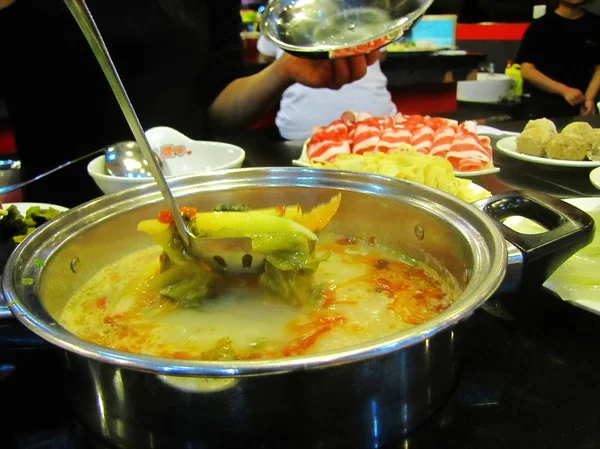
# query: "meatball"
{"points": [[567, 146], [533, 141], [542, 123], [593, 138], [580, 129]]}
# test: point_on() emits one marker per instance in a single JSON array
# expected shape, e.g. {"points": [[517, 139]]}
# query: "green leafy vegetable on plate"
{"points": [[14, 226]]}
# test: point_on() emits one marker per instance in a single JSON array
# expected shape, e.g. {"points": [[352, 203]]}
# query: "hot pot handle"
{"points": [[568, 230], [4, 310], [13, 335]]}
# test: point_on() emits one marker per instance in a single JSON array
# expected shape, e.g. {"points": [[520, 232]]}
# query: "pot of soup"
{"points": [[347, 336]]}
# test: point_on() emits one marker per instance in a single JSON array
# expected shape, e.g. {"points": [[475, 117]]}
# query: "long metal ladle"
{"points": [[232, 255]]}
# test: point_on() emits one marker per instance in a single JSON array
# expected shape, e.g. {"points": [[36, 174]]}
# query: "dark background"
{"points": [[474, 11]]}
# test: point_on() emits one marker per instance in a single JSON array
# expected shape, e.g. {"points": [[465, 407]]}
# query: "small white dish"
{"points": [[303, 161], [595, 177], [508, 146], [181, 156]]}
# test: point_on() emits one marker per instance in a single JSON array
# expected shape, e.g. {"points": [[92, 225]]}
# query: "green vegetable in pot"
{"points": [[223, 350], [185, 283], [290, 265], [295, 287], [230, 207]]}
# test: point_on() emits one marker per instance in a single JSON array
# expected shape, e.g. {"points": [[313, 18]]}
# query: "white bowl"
{"points": [[181, 156], [488, 88]]}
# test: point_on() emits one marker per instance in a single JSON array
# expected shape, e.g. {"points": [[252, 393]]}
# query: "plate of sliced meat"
{"points": [[359, 133]]}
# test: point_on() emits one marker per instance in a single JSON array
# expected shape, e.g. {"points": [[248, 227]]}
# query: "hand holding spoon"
{"points": [[229, 255]]}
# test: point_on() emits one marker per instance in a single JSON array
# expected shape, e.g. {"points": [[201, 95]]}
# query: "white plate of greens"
{"points": [[31, 214], [24, 207]]}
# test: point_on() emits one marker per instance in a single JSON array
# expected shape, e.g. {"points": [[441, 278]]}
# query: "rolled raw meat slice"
{"points": [[442, 141], [366, 136], [486, 142], [327, 150], [468, 154], [422, 139], [329, 142], [469, 125], [469, 130], [414, 120], [436, 123], [337, 128], [336, 131], [386, 122], [399, 118], [392, 138]]}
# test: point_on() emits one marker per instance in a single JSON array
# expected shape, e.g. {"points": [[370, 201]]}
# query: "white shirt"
{"points": [[302, 108]]}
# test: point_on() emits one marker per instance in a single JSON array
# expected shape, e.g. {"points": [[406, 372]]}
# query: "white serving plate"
{"points": [[508, 146], [595, 177], [590, 303]]}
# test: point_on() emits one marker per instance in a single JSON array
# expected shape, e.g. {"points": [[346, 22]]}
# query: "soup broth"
{"points": [[361, 292]]}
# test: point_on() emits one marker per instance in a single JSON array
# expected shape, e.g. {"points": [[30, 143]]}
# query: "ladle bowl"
{"points": [[330, 29], [126, 159]]}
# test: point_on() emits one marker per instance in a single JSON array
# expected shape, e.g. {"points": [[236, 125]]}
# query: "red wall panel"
{"points": [[490, 31]]}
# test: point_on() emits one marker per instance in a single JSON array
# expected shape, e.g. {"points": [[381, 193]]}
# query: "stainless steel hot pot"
{"points": [[360, 397]]}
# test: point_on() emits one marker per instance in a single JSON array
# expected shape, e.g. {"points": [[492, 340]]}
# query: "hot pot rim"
{"points": [[59, 336]]}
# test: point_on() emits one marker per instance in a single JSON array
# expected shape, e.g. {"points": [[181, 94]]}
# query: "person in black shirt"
{"points": [[180, 61], [560, 61]]}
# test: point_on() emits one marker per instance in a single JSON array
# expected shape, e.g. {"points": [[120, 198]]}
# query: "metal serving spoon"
{"points": [[11, 187], [125, 159], [330, 29], [229, 255]]}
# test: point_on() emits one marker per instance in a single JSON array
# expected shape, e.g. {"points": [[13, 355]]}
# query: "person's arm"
{"points": [[5, 3], [245, 99], [530, 73], [232, 101], [589, 105], [533, 50], [262, 58]]}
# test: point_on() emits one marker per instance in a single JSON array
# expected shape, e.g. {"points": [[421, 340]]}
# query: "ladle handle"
{"points": [[88, 26]]}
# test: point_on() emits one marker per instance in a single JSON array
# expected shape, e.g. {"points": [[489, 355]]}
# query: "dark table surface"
{"points": [[529, 376]]}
